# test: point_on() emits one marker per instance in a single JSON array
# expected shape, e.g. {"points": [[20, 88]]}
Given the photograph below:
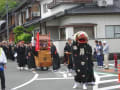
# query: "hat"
{"points": [[104, 42]]}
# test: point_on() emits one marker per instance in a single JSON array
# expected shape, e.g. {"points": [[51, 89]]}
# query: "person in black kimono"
{"points": [[11, 51], [16, 53], [82, 55], [55, 56], [30, 53], [68, 54], [21, 56]]}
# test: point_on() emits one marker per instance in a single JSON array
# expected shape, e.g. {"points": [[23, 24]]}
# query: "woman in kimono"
{"points": [[82, 57]]}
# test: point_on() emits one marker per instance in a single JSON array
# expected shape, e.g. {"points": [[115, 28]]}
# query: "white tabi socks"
{"points": [[84, 86], [76, 85]]}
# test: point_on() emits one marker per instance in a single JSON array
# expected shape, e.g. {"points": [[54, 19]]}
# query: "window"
{"points": [[45, 8], [88, 29], [20, 19], [34, 14], [109, 31], [117, 32], [27, 13], [35, 10], [112, 31], [62, 34]]}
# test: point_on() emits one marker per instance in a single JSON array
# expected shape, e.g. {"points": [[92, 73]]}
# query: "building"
{"points": [[100, 19], [2, 28], [26, 14]]}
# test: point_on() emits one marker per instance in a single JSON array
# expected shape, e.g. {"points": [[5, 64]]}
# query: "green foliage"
{"points": [[25, 37], [30, 29], [3, 5], [22, 33], [19, 30]]}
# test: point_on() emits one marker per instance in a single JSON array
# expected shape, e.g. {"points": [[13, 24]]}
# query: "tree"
{"points": [[11, 5], [25, 37], [23, 34]]}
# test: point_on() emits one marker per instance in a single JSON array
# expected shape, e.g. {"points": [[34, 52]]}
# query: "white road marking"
{"points": [[65, 74], [60, 74], [95, 87], [110, 87], [43, 79], [30, 81], [107, 81], [106, 73], [104, 76]]}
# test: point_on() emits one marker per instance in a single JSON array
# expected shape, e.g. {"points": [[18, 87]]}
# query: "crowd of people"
{"points": [[22, 53], [101, 54], [8, 49], [77, 55]]}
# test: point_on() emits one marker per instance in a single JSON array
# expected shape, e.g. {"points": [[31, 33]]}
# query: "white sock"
{"points": [[76, 85], [84, 86]]}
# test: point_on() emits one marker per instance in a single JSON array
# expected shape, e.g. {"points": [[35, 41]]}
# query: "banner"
{"points": [[37, 46]]}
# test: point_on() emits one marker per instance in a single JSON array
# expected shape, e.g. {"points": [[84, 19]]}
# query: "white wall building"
{"points": [[63, 19]]}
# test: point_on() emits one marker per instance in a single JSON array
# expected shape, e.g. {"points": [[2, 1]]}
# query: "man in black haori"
{"points": [[30, 53], [21, 56], [68, 54], [55, 57], [82, 57]]}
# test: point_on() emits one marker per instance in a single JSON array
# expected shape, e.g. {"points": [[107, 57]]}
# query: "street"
{"points": [[60, 80]]}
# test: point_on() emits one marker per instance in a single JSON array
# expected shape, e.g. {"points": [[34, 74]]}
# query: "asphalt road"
{"points": [[60, 80]]}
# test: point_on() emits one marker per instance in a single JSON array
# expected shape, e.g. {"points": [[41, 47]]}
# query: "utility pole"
{"points": [[7, 20]]}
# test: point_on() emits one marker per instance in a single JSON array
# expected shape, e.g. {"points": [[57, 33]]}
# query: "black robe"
{"points": [[68, 57], [11, 52], [31, 59], [55, 56], [21, 56], [82, 55]]}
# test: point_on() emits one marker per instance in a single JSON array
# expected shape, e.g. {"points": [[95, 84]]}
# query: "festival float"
{"points": [[43, 59]]}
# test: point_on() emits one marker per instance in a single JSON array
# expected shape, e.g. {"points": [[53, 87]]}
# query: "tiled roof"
{"points": [[93, 10]]}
